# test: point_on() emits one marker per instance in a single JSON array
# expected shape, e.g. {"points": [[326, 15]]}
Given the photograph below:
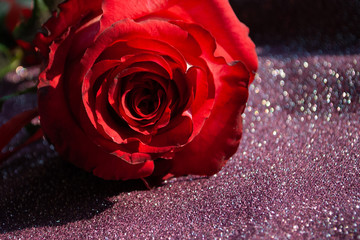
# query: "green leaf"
{"points": [[52, 4], [27, 30], [25, 3], [41, 12]]}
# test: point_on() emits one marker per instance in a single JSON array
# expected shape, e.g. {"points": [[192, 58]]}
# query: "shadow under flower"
{"points": [[50, 192]]}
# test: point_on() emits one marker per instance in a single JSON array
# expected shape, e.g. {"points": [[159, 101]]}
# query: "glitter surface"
{"points": [[296, 174]]}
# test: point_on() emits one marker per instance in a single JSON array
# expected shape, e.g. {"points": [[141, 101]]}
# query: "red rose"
{"points": [[145, 88]]}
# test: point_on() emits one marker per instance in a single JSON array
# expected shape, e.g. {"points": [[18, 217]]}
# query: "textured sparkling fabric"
{"points": [[296, 174]]}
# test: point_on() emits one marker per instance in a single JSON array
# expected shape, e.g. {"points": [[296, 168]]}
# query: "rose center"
{"points": [[147, 104], [144, 99]]}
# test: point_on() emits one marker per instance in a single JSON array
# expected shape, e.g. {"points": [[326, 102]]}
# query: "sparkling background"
{"points": [[295, 175]]}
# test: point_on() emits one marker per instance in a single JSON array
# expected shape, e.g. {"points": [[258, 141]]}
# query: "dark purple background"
{"points": [[295, 175]]}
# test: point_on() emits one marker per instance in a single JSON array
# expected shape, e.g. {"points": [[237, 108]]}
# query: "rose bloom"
{"points": [[138, 88]]}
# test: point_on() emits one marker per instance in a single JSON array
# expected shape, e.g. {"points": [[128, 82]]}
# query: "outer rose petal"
{"points": [[115, 10], [71, 13], [221, 133], [71, 142], [216, 16]]}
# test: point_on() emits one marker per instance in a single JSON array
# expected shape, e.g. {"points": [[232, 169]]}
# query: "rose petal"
{"points": [[184, 86], [146, 126], [125, 29], [71, 142], [131, 9], [88, 84], [70, 13], [14, 125], [221, 133], [151, 62], [177, 134], [233, 39], [204, 98], [115, 128], [162, 48]]}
